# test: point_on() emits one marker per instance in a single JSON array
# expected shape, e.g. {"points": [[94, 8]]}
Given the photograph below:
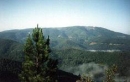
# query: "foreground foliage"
{"points": [[110, 74], [37, 65]]}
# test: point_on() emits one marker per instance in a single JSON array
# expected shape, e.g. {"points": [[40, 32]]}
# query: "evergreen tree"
{"points": [[85, 79], [37, 65], [110, 74]]}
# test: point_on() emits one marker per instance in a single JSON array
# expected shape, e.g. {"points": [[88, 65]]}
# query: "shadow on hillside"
{"points": [[62, 77], [8, 77]]}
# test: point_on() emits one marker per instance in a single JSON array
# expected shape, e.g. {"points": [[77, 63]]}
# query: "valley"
{"points": [[77, 48]]}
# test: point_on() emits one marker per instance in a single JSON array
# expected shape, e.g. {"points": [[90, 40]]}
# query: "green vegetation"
{"points": [[85, 79], [77, 37], [11, 50], [110, 74], [72, 57], [72, 47], [76, 57], [37, 65]]}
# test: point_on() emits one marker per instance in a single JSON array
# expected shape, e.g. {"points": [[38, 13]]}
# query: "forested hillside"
{"points": [[11, 49], [76, 48], [77, 37]]}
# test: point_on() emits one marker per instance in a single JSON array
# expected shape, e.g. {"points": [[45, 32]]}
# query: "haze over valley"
{"points": [[77, 48], [86, 38]]}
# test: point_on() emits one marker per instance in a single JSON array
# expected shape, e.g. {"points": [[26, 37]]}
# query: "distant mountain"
{"points": [[77, 37], [74, 46]]}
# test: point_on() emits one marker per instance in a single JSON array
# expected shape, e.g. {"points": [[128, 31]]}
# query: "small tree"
{"points": [[37, 65], [110, 74], [85, 79]]}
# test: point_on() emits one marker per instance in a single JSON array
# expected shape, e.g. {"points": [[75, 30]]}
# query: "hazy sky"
{"points": [[110, 14]]}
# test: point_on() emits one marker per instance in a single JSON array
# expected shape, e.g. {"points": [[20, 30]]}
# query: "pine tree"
{"points": [[37, 65], [110, 74], [85, 79]]}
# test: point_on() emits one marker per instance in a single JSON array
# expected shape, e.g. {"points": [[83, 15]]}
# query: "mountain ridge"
{"points": [[78, 37], [78, 44]]}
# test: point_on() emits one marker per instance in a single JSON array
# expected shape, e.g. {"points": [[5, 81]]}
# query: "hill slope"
{"points": [[72, 46], [77, 37], [10, 49]]}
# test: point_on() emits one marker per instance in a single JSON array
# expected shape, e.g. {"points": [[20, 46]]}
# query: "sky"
{"points": [[21, 14]]}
